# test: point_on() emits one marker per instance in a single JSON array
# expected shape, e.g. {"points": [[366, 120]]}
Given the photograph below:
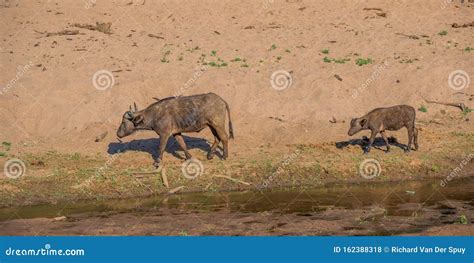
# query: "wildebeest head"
{"points": [[357, 125], [130, 121]]}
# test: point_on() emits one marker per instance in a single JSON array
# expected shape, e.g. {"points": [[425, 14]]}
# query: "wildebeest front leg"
{"points": [[384, 136], [163, 141], [371, 141], [179, 138]]}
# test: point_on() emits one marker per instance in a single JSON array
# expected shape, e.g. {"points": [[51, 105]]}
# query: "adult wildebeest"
{"points": [[175, 115], [392, 119]]}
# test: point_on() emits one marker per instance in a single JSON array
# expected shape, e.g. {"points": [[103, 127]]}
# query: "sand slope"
{"points": [[155, 50]]}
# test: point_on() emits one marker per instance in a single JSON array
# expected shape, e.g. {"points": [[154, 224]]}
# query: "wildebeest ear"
{"points": [[137, 120], [128, 115], [363, 122], [353, 121], [155, 98]]}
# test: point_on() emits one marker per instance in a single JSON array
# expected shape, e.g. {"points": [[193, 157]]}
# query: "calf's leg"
{"points": [[371, 141], [384, 136]]}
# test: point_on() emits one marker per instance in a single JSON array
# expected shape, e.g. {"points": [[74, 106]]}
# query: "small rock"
{"points": [[338, 77], [37, 163], [101, 137], [59, 218]]}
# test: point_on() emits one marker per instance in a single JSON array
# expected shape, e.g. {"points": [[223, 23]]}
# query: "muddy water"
{"points": [[344, 208]]}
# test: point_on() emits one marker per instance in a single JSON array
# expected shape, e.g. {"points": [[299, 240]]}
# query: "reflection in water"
{"points": [[395, 198]]}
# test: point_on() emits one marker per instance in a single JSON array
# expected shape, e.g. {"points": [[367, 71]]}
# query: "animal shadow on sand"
{"points": [[152, 145], [379, 143]]}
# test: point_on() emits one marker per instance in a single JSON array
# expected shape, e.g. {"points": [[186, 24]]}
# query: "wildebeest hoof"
{"points": [[210, 156], [156, 164], [407, 150], [387, 151]]}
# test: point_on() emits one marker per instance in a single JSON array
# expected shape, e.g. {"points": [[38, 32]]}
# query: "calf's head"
{"points": [[357, 125], [131, 121]]}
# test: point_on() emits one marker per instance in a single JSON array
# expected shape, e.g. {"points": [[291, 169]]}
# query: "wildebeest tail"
{"points": [[415, 138], [231, 130]]}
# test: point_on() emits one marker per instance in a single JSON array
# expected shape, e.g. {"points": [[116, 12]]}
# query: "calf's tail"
{"points": [[231, 130]]}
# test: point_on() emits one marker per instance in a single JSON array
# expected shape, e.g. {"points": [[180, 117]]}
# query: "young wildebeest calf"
{"points": [[175, 115], [392, 119]]}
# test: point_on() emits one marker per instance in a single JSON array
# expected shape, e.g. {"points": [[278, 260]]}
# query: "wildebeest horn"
{"points": [[130, 108], [155, 98], [135, 106]]}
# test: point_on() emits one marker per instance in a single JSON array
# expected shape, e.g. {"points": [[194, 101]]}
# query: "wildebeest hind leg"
{"points": [[225, 140], [415, 139], [211, 152], [410, 137], [179, 138]]}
